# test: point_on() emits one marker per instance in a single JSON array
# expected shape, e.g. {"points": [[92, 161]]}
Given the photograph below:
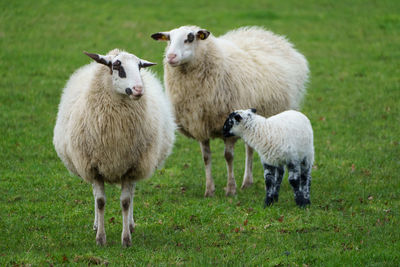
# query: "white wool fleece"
{"points": [[281, 139]]}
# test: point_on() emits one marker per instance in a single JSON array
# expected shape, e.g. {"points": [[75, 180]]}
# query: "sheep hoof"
{"points": [[126, 241], [230, 189], [131, 227], [101, 239], [246, 185], [209, 193]]}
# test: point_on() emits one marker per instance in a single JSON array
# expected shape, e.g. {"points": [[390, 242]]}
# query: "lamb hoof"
{"points": [[268, 201], [101, 239], [302, 202], [246, 185], [126, 241]]}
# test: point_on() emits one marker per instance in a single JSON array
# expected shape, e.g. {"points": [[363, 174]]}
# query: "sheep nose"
{"points": [[171, 56], [138, 90]]}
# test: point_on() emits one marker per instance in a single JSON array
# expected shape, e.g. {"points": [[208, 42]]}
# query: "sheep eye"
{"points": [[116, 64], [190, 38]]}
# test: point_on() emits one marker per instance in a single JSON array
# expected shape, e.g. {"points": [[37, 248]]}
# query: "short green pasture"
{"points": [[353, 102]]}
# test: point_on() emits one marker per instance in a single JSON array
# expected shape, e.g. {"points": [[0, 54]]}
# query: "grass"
{"points": [[353, 103]]}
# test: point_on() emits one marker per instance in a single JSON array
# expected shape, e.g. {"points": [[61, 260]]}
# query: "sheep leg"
{"points": [[131, 221], [248, 171], [305, 183], [127, 192], [270, 184], [230, 188], [205, 150], [100, 203], [279, 172], [294, 180], [95, 224]]}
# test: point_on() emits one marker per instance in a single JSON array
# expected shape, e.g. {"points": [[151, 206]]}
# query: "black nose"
{"points": [[128, 91]]}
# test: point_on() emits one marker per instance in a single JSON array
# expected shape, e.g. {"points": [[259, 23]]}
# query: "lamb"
{"points": [[282, 139], [208, 77], [114, 125]]}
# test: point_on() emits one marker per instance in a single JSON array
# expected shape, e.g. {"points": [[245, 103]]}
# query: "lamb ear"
{"points": [[160, 36], [238, 118], [105, 60], [253, 110], [144, 63], [202, 34]]}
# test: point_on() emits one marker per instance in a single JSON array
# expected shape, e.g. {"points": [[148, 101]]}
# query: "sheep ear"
{"points": [[238, 118], [144, 63], [202, 34], [105, 60], [160, 36], [253, 110]]}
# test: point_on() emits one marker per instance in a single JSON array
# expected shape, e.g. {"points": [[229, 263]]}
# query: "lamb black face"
{"points": [[228, 125]]}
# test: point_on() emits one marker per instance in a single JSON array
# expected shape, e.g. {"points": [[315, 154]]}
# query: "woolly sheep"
{"points": [[283, 139], [114, 125], [208, 77]]}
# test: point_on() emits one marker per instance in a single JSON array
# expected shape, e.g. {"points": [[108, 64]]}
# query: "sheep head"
{"points": [[125, 71], [182, 43], [234, 123]]}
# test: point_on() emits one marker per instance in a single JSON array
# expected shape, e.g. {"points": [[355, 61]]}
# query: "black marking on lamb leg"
{"points": [[280, 171], [305, 184], [270, 184], [294, 180]]}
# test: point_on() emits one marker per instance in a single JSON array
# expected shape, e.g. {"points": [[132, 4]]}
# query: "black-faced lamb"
{"points": [[285, 139], [114, 125], [207, 77]]}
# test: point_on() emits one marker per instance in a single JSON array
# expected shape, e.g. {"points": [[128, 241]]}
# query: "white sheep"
{"points": [[285, 139], [114, 125], [208, 77]]}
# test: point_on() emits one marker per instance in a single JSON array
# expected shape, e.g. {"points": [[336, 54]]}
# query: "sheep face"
{"points": [[236, 121], [125, 72], [182, 44]]}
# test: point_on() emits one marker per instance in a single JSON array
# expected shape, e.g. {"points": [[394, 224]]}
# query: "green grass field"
{"points": [[353, 97]]}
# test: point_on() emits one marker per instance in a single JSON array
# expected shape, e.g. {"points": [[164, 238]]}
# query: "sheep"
{"points": [[208, 77], [282, 139], [114, 125]]}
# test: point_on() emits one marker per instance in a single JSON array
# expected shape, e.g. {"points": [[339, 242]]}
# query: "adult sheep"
{"points": [[208, 77], [114, 125]]}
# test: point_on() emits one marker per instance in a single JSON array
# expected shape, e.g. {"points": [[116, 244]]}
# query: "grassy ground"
{"points": [[353, 102]]}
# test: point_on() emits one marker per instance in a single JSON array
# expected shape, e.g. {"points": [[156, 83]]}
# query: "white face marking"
{"points": [[126, 74], [180, 50]]}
